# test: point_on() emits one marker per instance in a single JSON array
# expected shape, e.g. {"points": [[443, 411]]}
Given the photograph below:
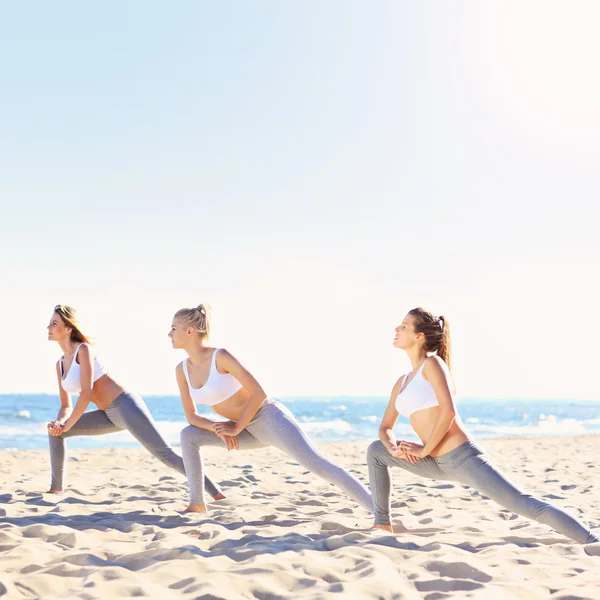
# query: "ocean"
{"points": [[23, 419]]}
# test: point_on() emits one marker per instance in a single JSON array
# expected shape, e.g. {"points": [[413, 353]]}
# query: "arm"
{"points": [[86, 394], [55, 427], [65, 398], [189, 406], [436, 373], [230, 365], [386, 435]]}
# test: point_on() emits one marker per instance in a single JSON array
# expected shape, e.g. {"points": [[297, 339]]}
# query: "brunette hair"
{"points": [[436, 331]]}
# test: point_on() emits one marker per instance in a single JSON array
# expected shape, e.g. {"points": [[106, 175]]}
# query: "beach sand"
{"points": [[116, 532]]}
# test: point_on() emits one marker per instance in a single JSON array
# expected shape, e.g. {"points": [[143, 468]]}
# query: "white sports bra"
{"points": [[72, 381], [218, 387], [416, 395]]}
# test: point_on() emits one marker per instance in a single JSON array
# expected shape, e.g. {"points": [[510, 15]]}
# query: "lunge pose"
{"points": [[425, 396], [213, 377], [80, 372]]}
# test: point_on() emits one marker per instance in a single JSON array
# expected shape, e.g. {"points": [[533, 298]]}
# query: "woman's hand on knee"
{"points": [[55, 428], [222, 428], [413, 452], [231, 442]]}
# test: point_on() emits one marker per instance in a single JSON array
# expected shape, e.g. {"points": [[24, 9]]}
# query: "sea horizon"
{"points": [[324, 418]]}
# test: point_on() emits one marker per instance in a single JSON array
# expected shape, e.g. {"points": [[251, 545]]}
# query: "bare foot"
{"points": [[195, 508], [387, 528], [220, 496]]}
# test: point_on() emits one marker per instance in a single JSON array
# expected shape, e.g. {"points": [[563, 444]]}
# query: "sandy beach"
{"points": [[117, 531]]}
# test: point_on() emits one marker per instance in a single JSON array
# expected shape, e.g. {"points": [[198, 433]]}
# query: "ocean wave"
{"points": [[337, 425], [19, 414], [543, 428]]}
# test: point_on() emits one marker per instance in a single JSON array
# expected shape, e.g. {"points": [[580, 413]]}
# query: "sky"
{"points": [[312, 170]]}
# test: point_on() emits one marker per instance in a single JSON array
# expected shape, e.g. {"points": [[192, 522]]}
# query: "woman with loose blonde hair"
{"points": [[213, 377], [426, 397], [79, 371]]}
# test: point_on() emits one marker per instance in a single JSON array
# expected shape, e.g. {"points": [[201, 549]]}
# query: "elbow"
{"points": [[259, 395], [190, 417], [449, 415], [86, 395]]}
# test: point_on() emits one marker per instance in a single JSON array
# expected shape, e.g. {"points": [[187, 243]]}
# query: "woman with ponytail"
{"points": [[213, 377], [80, 372], [426, 397]]}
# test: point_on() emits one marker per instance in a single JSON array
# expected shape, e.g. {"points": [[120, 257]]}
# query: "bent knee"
{"points": [[374, 450], [189, 435]]}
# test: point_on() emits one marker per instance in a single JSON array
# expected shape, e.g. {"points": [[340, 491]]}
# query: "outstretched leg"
{"points": [[480, 474], [130, 412], [91, 423], [276, 426]]}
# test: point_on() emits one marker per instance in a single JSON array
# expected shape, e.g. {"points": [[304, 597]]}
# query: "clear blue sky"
{"points": [[313, 170]]}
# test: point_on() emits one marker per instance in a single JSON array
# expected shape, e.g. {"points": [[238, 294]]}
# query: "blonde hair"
{"points": [[197, 318], [69, 317]]}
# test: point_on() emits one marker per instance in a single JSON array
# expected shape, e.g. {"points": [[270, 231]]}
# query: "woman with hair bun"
{"points": [[426, 397], [213, 377], [80, 372]]}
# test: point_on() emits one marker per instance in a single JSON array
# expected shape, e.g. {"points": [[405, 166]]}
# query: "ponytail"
{"points": [[444, 350], [436, 331], [197, 318]]}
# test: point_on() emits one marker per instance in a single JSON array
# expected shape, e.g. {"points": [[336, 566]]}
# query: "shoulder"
{"points": [[434, 365], [223, 355], [180, 374], [84, 350], [398, 384], [223, 358]]}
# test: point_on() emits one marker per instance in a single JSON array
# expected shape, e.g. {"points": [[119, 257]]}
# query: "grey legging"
{"points": [[126, 411], [273, 425], [469, 465]]}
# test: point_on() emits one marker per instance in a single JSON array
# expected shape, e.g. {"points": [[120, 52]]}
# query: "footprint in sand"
{"points": [[458, 570], [331, 526], [311, 503], [203, 535], [443, 585], [508, 516]]}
